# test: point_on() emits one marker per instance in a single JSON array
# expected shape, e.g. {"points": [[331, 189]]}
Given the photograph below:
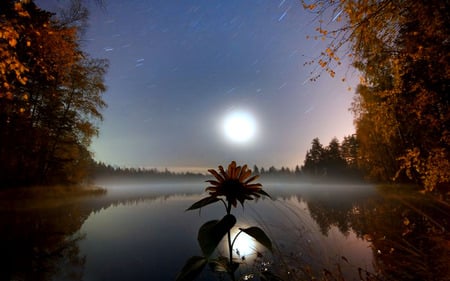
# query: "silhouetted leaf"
{"points": [[210, 233], [219, 265], [203, 202], [222, 264], [192, 268], [263, 193], [259, 236]]}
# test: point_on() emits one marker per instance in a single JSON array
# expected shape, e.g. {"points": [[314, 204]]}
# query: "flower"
{"points": [[235, 184]]}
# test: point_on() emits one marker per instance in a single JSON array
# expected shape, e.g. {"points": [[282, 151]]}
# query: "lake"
{"points": [[142, 232]]}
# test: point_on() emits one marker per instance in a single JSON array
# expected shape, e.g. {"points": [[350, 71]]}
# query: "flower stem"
{"points": [[230, 248]]}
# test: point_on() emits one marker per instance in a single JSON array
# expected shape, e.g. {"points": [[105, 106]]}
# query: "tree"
{"points": [[334, 161], [314, 158], [255, 169], [332, 158], [49, 106], [297, 170], [349, 150], [379, 146], [401, 48]]}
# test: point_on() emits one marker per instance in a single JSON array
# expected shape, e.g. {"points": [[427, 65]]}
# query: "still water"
{"points": [[151, 238], [142, 232]]}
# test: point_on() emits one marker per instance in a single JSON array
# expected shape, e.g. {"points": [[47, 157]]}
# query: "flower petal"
{"points": [[253, 186], [213, 182], [244, 174], [216, 175], [231, 168], [222, 171], [263, 193], [237, 172], [251, 179]]}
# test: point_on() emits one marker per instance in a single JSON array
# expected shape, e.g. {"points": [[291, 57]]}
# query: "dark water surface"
{"points": [[142, 232]]}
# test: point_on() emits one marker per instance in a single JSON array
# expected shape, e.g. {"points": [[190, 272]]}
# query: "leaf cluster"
{"points": [[401, 49], [50, 97]]}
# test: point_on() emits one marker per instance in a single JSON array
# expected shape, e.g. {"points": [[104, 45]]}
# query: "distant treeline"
{"points": [[333, 162], [100, 170]]}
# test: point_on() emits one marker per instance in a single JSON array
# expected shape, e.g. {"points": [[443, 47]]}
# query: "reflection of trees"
{"points": [[409, 235], [334, 207], [39, 230], [409, 232], [38, 244], [304, 251], [327, 217]]}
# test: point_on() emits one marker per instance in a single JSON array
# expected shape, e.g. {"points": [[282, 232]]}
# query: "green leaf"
{"points": [[211, 233], [259, 236], [203, 202], [192, 268]]}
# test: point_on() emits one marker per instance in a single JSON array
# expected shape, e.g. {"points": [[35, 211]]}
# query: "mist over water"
{"points": [[150, 235], [142, 231]]}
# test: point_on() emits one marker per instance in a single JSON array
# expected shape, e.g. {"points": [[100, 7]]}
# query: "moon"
{"points": [[239, 126]]}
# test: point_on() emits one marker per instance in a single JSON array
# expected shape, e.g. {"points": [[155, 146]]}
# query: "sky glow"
{"points": [[176, 68]]}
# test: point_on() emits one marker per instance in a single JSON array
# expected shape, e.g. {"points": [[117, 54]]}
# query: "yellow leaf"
{"points": [[12, 42], [406, 221]]}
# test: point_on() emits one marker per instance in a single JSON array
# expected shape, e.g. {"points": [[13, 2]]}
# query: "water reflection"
{"points": [[409, 236], [39, 240], [305, 250], [153, 238], [40, 230], [407, 231], [244, 245], [322, 231]]}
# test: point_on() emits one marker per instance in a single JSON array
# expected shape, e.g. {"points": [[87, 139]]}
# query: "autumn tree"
{"points": [[349, 150], [50, 96], [401, 48]]}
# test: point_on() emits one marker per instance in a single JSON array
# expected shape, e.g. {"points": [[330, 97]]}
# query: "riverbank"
{"points": [[45, 196]]}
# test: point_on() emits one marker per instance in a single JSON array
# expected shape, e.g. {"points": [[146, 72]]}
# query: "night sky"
{"points": [[177, 68]]}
